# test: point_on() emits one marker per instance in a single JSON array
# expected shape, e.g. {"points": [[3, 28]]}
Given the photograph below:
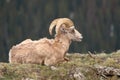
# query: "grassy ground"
{"points": [[80, 67]]}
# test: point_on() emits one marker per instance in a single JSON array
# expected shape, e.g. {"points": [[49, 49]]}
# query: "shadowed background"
{"points": [[97, 20]]}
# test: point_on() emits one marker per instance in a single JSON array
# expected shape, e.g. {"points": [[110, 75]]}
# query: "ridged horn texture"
{"points": [[58, 22]]}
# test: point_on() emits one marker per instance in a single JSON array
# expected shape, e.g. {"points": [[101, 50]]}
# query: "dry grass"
{"points": [[80, 67]]}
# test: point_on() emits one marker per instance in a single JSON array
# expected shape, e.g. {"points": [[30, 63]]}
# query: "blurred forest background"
{"points": [[97, 20]]}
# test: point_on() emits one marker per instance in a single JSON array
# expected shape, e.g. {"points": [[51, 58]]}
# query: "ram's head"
{"points": [[65, 26]]}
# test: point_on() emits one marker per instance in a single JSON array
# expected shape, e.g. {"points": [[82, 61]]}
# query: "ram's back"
{"points": [[30, 51]]}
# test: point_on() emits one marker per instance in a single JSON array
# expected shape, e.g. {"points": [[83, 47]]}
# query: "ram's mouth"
{"points": [[79, 39]]}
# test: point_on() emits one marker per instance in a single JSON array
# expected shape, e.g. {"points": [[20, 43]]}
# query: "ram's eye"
{"points": [[72, 31]]}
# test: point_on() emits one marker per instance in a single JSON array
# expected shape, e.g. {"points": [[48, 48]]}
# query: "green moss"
{"points": [[84, 63]]}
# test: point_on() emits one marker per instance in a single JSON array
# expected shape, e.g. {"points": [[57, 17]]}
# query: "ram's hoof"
{"points": [[66, 59]]}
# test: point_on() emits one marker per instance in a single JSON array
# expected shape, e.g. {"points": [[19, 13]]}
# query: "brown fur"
{"points": [[43, 51]]}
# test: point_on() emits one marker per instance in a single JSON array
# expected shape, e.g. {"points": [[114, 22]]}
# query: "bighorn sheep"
{"points": [[47, 51]]}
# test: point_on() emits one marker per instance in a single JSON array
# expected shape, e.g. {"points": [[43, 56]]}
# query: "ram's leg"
{"points": [[49, 61], [66, 59]]}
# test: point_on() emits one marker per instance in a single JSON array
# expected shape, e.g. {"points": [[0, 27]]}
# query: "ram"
{"points": [[47, 51]]}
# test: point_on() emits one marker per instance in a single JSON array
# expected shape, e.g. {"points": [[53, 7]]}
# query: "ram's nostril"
{"points": [[81, 37]]}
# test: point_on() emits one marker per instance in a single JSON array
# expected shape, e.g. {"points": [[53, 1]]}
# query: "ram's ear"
{"points": [[63, 28]]}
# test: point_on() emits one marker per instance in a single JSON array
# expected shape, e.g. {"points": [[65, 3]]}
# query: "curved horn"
{"points": [[58, 22], [52, 25], [65, 21]]}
